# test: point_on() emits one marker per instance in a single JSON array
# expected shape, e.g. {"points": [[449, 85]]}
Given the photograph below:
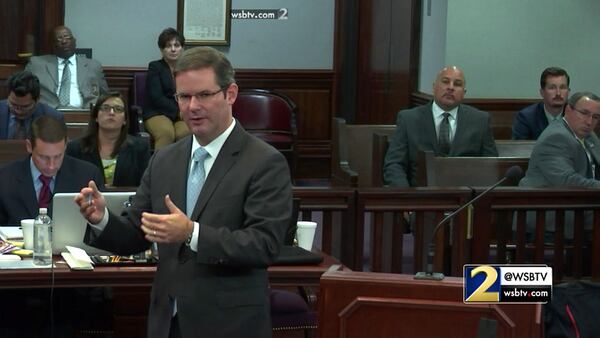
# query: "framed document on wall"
{"points": [[204, 22]]}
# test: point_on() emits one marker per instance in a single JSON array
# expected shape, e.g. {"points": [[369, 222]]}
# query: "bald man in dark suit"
{"points": [[419, 129]]}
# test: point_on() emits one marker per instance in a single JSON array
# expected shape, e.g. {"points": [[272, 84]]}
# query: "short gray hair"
{"points": [[575, 97]]}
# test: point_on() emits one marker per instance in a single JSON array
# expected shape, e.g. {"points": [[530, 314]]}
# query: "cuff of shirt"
{"points": [[99, 227], [194, 241]]}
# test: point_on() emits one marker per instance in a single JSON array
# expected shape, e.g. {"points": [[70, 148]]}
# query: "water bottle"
{"points": [[42, 239]]}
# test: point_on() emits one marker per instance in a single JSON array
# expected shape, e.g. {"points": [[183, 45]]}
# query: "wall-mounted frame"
{"points": [[204, 22]]}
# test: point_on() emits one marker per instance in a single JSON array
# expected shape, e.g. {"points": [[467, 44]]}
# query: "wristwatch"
{"points": [[188, 240]]}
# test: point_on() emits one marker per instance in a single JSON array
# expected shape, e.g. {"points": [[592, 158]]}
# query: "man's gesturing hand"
{"points": [[174, 227]]}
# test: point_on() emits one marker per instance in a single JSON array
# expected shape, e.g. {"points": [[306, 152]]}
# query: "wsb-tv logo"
{"points": [[507, 283]]}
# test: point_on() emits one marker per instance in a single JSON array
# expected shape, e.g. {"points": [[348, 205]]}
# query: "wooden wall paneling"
{"points": [[311, 90], [387, 60], [53, 15]]}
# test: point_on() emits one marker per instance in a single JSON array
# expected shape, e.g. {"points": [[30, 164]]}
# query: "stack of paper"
{"points": [[11, 232]]}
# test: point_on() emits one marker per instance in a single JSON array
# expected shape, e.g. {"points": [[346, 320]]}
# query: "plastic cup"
{"points": [[305, 234], [27, 227]]}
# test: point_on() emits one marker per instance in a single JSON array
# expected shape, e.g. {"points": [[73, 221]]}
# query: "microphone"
{"points": [[513, 174]]}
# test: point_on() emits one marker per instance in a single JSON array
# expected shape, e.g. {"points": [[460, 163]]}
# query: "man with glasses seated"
{"points": [[567, 154], [68, 80], [22, 106], [532, 120]]}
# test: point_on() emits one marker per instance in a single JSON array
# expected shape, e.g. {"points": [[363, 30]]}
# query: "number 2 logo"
{"points": [[481, 294]]}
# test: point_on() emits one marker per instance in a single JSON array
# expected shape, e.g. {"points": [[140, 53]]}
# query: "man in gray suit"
{"points": [[214, 251], [567, 152], [68, 80], [445, 126]]}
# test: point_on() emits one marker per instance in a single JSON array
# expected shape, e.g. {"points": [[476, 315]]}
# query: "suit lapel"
{"points": [[180, 173], [52, 69], [27, 193], [224, 161], [428, 125]]}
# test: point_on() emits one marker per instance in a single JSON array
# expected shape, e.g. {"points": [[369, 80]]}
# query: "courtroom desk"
{"points": [[368, 304], [143, 275], [131, 286]]}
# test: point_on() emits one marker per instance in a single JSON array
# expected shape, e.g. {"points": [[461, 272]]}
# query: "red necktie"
{"points": [[45, 194]]}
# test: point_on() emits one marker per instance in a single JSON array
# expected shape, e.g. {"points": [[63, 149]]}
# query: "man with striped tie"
{"points": [[68, 80]]}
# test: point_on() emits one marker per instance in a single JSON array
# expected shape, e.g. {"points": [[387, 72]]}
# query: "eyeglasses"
{"points": [[116, 109], [201, 97], [586, 114], [64, 38], [21, 107]]}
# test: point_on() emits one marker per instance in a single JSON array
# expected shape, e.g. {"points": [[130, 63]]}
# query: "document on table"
{"points": [[11, 232]]}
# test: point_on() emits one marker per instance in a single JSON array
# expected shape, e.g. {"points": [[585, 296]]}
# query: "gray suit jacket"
{"points": [[243, 210], [559, 160], [415, 131], [90, 79]]}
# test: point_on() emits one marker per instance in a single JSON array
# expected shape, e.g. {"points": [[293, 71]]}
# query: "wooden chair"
{"points": [[352, 153]]}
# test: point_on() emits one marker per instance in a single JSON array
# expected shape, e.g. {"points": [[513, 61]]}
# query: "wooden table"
{"points": [[131, 286], [142, 275]]}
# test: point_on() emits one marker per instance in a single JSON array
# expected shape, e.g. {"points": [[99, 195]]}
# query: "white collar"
{"points": [[214, 147], [438, 111]]}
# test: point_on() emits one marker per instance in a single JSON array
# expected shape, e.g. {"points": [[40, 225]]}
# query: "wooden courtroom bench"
{"points": [[453, 170], [465, 171], [515, 148], [351, 156], [77, 122]]}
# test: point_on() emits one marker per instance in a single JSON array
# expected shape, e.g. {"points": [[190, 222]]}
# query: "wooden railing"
{"points": [[365, 228]]}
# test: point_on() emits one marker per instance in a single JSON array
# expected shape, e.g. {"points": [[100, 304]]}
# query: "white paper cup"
{"points": [[305, 234], [27, 227]]}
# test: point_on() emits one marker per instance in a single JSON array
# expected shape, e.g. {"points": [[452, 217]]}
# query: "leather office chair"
{"points": [[271, 117]]}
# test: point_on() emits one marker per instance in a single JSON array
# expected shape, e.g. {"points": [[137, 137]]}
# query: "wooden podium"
{"points": [[366, 304]]}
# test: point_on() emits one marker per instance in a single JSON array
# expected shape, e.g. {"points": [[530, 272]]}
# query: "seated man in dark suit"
{"points": [[28, 184], [445, 126], [532, 120], [68, 80], [22, 106]]}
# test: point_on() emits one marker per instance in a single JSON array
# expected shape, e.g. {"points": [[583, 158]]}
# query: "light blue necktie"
{"points": [[195, 179]]}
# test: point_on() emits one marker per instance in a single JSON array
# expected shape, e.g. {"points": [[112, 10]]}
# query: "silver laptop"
{"points": [[69, 226]]}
